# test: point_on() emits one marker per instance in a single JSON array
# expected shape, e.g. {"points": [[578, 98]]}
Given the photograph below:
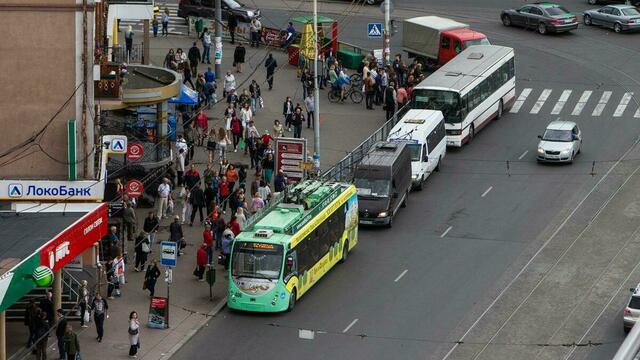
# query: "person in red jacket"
{"points": [[234, 226], [224, 193], [207, 238], [201, 260], [202, 125]]}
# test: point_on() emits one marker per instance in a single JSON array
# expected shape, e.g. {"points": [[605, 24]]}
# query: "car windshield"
{"points": [[256, 260], [446, 101], [233, 4], [483, 41], [557, 11], [630, 12], [415, 149], [557, 135], [634, 303], [372, 187]]}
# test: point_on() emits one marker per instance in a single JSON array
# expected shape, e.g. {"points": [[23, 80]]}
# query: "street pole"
{"points": [[3, 337], [218, 40], [316, 93], [169, 279], [146, 56], [386, 38], [57, 293]]}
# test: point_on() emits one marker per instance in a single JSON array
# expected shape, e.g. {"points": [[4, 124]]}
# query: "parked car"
{"points": [[561, 142], [631, 312], [596, 2], [544, 17], [206, 9], [617, 17]]}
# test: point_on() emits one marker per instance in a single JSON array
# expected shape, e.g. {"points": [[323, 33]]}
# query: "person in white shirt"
{"points": [[246, 115], [181, 143], [264, 190], [180, 166], [229, 84], [163, 198]]}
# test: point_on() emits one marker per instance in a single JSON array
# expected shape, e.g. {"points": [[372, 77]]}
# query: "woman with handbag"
{"points": [[151, 276], [134, 334], [142, 249], [212, 144]]}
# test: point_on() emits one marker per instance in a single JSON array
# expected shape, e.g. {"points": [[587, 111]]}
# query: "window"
{"points": [[317, 244], [525, 9], [615, 12], [446, 42], [457, 47], [435, 137], [536, 11], [556, 11], [631, 12], [605, 10]]}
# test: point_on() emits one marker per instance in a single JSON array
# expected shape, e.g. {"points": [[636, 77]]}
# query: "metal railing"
{"points": [[343, 169], [119, 54]]}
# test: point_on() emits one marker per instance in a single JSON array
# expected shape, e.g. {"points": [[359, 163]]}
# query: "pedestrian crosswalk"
{"points": [[177, 25], [572, 102]]}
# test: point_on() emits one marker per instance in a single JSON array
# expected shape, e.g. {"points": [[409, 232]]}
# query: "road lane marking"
{"points": [[486, 191], [541, 100], [520, 101], [584, 98], [624, 102], [446, 231], [602, 103], [523, 154], [401, 275], [637, 114], [541, 249], [560, 104], [349, 326]]}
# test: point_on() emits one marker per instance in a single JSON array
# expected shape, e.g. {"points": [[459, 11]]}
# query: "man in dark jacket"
{"points": [[129, 220], [60, 330], [30, 320], [287, 111], [297, 121], [197, 202], [271, 66], [194, 57], [238, 56], [232, 23], [46, 305], [100, 307], [151, 227], [175, 232], [191, 177], [209, 198]]}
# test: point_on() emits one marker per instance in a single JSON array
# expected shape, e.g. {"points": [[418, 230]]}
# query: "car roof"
{"points": [[561, 125], [621, 6], [546, 4]]}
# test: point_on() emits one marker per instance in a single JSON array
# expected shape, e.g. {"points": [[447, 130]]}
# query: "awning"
{"points": [[187, 96]]}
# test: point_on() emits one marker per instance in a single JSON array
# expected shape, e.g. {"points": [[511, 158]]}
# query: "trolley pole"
{"points": [[218, 41], [386, 33], [316, 94]]}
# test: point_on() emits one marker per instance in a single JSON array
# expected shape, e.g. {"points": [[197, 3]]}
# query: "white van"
{"points": [[425, 133]]}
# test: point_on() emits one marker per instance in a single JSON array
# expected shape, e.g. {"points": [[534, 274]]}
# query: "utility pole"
{"points": [[218, 41], [386, 34], [316, 93]]}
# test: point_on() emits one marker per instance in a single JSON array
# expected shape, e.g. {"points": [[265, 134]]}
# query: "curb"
{"points": [[216, 309]]}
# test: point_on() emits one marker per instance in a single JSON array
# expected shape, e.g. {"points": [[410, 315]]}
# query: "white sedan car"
{"points": [[560, 142]]}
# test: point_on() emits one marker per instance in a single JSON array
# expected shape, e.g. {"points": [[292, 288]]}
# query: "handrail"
{"points": [[628, 350]]}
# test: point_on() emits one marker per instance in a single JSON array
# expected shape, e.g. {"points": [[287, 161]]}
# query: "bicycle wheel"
{"points": [[356, 96], [334, 96]]}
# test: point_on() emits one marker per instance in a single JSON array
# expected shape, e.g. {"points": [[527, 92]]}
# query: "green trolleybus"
{"points": [[285, 250]]}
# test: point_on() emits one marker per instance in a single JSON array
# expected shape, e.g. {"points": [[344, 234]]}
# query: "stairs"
{"points": [[70, 286]]}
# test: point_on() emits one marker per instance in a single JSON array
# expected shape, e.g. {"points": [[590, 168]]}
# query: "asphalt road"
{"points": [[504, 257]]}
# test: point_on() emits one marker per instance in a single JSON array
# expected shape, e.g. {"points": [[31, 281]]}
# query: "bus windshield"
{"points": [[372, 187], [256, 260], [414, 149], [446, 101]]}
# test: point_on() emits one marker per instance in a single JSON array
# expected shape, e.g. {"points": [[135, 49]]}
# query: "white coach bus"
{"points": [[475, 87]]}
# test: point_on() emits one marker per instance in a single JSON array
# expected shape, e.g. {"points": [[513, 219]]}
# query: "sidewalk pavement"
{"points": [[343, 126]]}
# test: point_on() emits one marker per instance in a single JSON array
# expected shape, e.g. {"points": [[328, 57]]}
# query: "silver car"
{"points": [[631, 312], [561, 142], [617, 17]]}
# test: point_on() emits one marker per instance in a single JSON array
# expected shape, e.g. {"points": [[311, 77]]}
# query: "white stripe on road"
{"points": [[401, 275], [520, 101], [446, 231], [487, 191], [350, 325], [637, 114], [584, 98], [560, 104], [541, 100], [523, 154], [602, 103], [626, 99]]}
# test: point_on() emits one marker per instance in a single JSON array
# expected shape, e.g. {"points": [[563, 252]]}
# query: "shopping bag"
{"points": [[261, 102], [242, 145], [144, 285], [86, 317]]}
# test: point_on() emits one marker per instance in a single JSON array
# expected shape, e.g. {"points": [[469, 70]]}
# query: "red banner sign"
{"points": [[75, 239], [134, 188], [290, 153], [135, 152]]}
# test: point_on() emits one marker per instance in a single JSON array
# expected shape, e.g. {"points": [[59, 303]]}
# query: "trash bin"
{"points": [[349, 59]]}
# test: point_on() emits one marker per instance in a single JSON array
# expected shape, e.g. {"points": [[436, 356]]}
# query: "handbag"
{"points": [[132, 331], [144, 285], [242, 145], [146, 248], [86, 316], [261, 102]]}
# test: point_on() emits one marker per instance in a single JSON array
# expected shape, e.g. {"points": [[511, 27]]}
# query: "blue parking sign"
{"points": [[169, 253]]}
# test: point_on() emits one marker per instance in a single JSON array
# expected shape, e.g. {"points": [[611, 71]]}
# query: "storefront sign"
{"points": [[75, 239], [42, 276], [135, 152], [290, 153], [134, 188], [158, 311], [20, 190]]}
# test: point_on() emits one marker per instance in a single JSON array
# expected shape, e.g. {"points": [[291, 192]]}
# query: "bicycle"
{"points": [[352, 93]]}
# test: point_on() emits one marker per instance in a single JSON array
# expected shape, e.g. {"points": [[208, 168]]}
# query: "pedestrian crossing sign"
{"points": [[374, 30]]}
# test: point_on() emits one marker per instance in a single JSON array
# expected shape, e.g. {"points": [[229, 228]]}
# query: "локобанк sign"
{"points": [[75, 239], [25, 190]]}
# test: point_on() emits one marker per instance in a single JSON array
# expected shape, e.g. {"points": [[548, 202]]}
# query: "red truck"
{"points": [[435, 40]]}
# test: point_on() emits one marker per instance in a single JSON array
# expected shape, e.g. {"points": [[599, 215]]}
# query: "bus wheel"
{"points": [[500, 109], [345, 251], [292, 300]]}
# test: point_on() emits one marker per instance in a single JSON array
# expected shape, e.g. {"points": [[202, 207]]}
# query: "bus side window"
{"points": [[425, 155]]}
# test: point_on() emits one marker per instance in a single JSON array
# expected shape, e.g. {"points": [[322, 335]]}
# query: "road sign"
{"points": [[118, 145], [134, 188], [135, 152], [374, 30], [169, 253]]}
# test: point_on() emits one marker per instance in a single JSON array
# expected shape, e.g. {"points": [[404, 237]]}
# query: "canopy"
{"points": [[309, 20], [187, 96]]}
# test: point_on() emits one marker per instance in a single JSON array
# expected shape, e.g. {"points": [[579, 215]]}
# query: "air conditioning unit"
{"points": [[263, 233]]}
